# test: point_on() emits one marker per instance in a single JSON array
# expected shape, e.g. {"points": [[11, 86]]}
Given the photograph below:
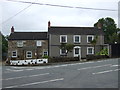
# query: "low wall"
{"points": [[62, 59], [93, 57]]}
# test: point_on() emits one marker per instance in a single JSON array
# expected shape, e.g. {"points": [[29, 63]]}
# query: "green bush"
{"points": [[45, 56], [103, 52]]}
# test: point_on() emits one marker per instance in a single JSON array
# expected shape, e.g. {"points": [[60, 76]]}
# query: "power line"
{"points": [[16, 14], [64, 6], [50, 5]]}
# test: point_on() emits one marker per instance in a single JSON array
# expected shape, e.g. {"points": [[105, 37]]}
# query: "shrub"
{"points": [[45, 56], [103, 52]]}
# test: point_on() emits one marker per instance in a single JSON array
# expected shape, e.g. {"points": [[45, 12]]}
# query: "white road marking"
{"points": [[115, 65], [18, 67], [94, 67], [26, 76], [102, 72], [14, 70], [60, 79]]}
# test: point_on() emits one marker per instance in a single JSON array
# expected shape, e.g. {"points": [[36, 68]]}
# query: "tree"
{"points": [[67, 47], [108, 26], [94, 42], [113, 38], [4, 42]]}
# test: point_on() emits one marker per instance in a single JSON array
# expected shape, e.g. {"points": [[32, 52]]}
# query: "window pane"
{"points": [[90, 50], [39, 43], [45, 53], [14, 54], [20, 43], [29, 54], [76, 50], [63, 39], [76, 38], [63, 51], [89, 39]]}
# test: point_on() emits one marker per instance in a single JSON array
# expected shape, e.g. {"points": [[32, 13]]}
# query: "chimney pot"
{"points": [[99, 26], [49, 24], [12, 29]]}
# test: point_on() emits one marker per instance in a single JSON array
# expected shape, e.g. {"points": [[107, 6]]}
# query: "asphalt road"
{"points": [[94, 74]]}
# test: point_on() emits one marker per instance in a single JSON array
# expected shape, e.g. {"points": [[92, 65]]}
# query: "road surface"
{"points": [[93, 74]]}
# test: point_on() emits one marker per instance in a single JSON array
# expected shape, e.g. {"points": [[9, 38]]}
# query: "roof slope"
{"points": [[28, 36], [75, 30]]}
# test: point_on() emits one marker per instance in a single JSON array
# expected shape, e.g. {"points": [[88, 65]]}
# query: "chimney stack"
{"points": [[49, 24], [12, 29], [99, 25]]}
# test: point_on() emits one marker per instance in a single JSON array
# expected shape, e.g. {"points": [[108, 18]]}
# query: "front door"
{"points": [[77, 51]]}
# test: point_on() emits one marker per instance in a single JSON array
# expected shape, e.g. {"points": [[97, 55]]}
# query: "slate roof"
{"points": [[75, 30], [28, 36]]}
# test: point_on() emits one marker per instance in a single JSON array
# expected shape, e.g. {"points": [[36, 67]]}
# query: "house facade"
{"points": [[27, 45], [80, 37]]}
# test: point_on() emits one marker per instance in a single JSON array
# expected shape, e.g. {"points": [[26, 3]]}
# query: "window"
{"points": [[14, 53], [90, 38], [63, 52], [77, 51], [45, 53], [29, 54], [63, 39], [90, 50], [77, 39], [39, 43], [20, 44]]}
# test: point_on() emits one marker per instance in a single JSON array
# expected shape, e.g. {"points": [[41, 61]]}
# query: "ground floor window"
{"points": [[45, 53], [90, 50], [63, 52], [14, 53], [29, 54]]}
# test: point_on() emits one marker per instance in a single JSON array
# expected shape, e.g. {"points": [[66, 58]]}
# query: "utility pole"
{"points": [[119, 14]]}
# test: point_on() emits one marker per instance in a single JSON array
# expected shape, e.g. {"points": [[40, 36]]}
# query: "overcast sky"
{"points": [[36, 17]]}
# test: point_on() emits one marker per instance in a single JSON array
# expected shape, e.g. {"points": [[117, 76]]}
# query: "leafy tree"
{"points": [[67, 47], [108, 26], [4, 42], [94, 42]]}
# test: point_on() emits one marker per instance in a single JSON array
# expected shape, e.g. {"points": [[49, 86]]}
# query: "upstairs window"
{"points": [[20, 44], [63, 39], [77, 39], [90, 38], [39, 43], [14, 53]]}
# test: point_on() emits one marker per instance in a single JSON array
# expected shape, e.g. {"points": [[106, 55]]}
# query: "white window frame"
{"points": [[44, 52], [61, 38], [61, 52], [27, 54], [76, 55], [79, 38], [90, 36], [88, 51], [16, 54], [19, 43], [39, 43]]}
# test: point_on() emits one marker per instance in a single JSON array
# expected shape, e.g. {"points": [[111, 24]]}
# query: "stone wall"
{"points": [[28, 45]]}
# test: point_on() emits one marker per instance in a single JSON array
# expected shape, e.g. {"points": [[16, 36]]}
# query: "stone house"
{"points": [[27, 45], [80, 37]]}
